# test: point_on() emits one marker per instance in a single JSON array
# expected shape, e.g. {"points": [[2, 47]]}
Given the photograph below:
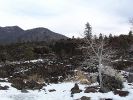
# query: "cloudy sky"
{"points": [[68, 17]]}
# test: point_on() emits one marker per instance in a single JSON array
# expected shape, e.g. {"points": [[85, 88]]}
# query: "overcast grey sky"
{"points": [[68, 16]]}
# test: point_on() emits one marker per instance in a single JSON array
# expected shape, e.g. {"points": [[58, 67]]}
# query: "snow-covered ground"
{"points": [[62, 93]]}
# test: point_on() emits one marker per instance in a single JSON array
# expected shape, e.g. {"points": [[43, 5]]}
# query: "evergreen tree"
{"points": [[130, 34], [110, 36], [88, 31], [100, 36]]}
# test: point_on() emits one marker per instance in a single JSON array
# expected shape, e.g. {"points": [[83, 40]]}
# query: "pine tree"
{"points": [[88, 31]]}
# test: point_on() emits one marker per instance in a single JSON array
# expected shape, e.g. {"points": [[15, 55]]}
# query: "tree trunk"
{"points": [[100, 73]]}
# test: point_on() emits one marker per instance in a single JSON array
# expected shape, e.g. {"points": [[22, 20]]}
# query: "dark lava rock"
{"points": [[75, 89], [121, 93], [52, 90], [130, 78], [24, 91], [19, 84], [130, 84], [90, 89], [54, 80], [34, 85], [110, 83], [31, 84], [4, 87], [44, 89], [85, 98], [106, 99]]}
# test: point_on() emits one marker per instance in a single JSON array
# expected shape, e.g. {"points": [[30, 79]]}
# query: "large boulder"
{"points": [[75, 89], [90, 89], [121, 93], [110, 83]]}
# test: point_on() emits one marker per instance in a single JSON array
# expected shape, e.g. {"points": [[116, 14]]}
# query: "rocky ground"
{"points": [[53, 79]]}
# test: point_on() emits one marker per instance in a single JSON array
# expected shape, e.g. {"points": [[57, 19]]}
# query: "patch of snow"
{"points": [[6, 79], [34, 61], [62, 93], [19, 62], [119, 60], [68, 65]]}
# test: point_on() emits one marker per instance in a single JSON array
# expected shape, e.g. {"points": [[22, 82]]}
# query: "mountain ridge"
{"points": [[14, 34]]}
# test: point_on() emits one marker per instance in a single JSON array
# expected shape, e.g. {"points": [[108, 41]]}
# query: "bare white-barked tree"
{"points": [[97, 51]]}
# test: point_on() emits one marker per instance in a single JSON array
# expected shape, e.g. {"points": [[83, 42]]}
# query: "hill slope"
{"points": [[13, 34]]}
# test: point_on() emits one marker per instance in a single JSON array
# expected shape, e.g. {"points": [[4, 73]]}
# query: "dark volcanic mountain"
{"points": [[13, 34]]}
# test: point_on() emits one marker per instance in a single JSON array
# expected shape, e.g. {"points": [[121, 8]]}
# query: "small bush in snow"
{"points": [[81, 77]]}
